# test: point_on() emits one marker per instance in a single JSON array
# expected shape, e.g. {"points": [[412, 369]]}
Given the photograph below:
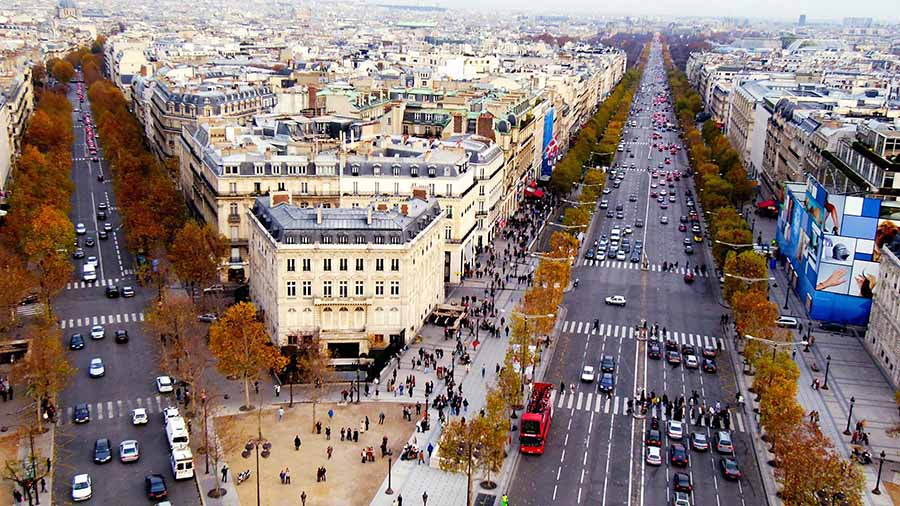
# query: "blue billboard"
{"points": [[832, 244], [549, 146]]}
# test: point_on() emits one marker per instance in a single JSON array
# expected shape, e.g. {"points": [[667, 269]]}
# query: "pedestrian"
{"points": [[482, 372], [421, 457], [343, 432], [287, 475], [367, 423], [328, 433], [424, 498], [303, 498], [399, 500], [356, 436], [282, 476], [48, 464], [44, 482], [381, 418], [280, 413], [277, 390], [329, 451], [297, 442], [225, 473], [256, 387], [17, 496]]}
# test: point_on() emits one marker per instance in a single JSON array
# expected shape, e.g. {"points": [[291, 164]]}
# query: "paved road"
{"points": [[595, 451], [130, 368]]}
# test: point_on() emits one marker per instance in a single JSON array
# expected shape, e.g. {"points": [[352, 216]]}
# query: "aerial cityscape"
{"points": [[299, 252]]}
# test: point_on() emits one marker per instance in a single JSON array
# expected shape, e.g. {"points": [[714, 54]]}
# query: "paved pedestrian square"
{"points": [[349, 481]]}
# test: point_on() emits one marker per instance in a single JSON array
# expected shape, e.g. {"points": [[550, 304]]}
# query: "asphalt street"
{"points": [[130, 367], [595, 452]]}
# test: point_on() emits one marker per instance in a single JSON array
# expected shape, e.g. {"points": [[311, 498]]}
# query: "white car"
{"points": [[587, 374], [81, 487], [681, 499], [691, 362], [675, 430], [98, 332], [170, 412], [96, 368], [129, 451], [91, 260], [164, 384], [80, 229], [654, 456], [139, 416], [620, 256], [616, 300], [788, 322], [627, 230]]}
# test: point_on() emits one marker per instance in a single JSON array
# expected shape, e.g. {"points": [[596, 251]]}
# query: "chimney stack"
{"points": [[276, 198], [318, 215], [404, 209], [419, 193], [369, 215]]}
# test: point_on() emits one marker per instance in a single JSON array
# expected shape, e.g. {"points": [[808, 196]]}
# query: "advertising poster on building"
{"points": [[550, 146]]}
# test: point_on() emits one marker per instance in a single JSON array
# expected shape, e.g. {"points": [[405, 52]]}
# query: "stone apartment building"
{"points": [[357, 278], [883, 336]]}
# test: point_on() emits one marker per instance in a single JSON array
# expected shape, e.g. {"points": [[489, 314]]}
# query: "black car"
{"points": [[620, 207], [607, 364], [121, 336], [156, 486], [102, 206], [688, 250], [81, 413], [639, 223], [89, 242], [654, 438], [102, 451], [688, 349], [112, 292], [78, 253], [101, 215], [76, 342], [654, 351], [678, 455], [730, 469], [671, 345], [709, 365], [610, 214], [620, 215], [103, 235], [681, 482], [589, 254], [833, 327]]}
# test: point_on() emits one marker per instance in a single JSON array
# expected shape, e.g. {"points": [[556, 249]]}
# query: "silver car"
{"points": [[98, 332], [129, 451]]}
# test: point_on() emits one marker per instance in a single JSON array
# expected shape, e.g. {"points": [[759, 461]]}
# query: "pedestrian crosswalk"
{"points": [[110, 319], [78, 285], [617, 264], [617, 405], [630, 332], [30, 309], [108, 410]]}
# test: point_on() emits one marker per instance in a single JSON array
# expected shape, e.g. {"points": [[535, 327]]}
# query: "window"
{"points": [[307, 288], [281, 187], [326, 289], [342, 289], [448, 233], [276, 169], [376, 169], [232, 187], [379, 239], [304, 239], [360, 264], [326, 239], [343, 239], [395, 239], [304, 187], [360, 239], [355, 188], [354, 169], [260, 169], [395, 288], [291, 288], [414, 171], [257, 187], [377, 188], [342, 264], [360, 289], [233, 209], [307, 265], [395, 264], [379, 288], [379, 264], [396, 170], [291, 265], [431, 172], [326, 264], [431, 189], [449, 190], [449, 211]]}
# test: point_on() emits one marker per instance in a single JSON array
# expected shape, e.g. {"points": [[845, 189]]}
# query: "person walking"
{"points": [[277, 389], [280, 414], [224, 473], [303, 498], [297, 442], [424, 498]]}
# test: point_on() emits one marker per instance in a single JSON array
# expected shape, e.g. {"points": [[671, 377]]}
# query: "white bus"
{"points": [[182, 463]]}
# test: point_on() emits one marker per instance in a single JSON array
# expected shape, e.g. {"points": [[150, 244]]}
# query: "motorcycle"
{"points": [[243, 476], [575, 283]]}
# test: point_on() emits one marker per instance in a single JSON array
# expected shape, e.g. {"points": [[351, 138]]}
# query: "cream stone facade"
{"points": [[358, 279], [883, 337]]}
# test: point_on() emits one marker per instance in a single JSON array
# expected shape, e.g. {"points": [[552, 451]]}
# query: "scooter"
{"points": [[575, 283], [243, 476]]}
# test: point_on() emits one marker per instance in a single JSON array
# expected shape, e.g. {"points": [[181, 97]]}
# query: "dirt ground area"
{"points": [[9, 450], [349, 481]]}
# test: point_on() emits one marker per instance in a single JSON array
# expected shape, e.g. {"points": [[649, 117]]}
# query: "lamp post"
{"points": [[389, 490], [787, 293], [827, 369], [203, 402], [876, 490], [849, 416]]}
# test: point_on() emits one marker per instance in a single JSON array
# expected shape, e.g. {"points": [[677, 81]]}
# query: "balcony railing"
{"points": [[234, 218]]}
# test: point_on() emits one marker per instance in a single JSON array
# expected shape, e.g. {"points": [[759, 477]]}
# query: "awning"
{"points": [[534, 192]]}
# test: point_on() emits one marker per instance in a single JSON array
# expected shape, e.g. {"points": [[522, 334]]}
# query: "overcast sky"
{"points": [[815, 10]]}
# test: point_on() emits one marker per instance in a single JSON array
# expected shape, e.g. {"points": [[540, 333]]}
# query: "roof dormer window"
{"points": [[396, 170], [376, 169], [431, 172], [259, 168], [414, 171], [354, 169]]}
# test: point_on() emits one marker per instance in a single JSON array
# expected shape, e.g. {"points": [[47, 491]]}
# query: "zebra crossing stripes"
{"points": [[617, 406], [629, 332], [619, 264], [88, 321], [107, 410], [30, 309], [78, 285]]}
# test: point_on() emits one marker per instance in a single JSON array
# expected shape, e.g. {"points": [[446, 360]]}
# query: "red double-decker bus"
{"points": [[536, 419]]}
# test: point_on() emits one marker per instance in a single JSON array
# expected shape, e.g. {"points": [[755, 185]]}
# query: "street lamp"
{"points": [[849, 416], [389, 490], [827, 368], [749, 280], [772, 343], [733, 245], [876, 490], [527, 342]]}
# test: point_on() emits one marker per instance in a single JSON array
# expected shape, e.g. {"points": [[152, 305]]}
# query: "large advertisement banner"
{"points": [[549, 146]]}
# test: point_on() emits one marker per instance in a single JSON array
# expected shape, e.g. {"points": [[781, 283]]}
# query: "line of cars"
{"points": [[607, 378], [684, 354]]}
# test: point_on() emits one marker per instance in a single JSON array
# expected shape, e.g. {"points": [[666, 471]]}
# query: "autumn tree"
{"points": [[197, 252], [754, 314], [779, 410], [745, 271], [45, 371], [62, 71], [509, 382], [239, 342], [47, 246], [313, 367], [31, 471], [181, 349], [809, 469], [494, 436], [15, 283], [225, 437], [773, 371]]}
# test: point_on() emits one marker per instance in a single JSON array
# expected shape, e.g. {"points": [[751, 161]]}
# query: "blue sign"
{"points": [[549, 146]]}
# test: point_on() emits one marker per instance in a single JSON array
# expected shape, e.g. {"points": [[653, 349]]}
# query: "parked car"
{"points": [[164, 384], [81, 487]]}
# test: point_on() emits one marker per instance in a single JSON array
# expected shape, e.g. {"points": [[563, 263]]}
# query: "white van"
{"points": [[89, 272], [182, 463], [176, 433]]}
